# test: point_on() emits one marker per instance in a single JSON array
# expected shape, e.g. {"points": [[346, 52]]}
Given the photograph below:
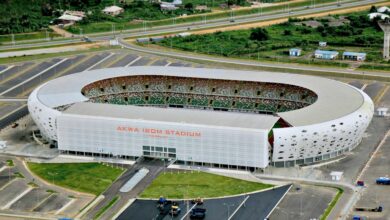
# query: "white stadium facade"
{"points": [[202, 117]]}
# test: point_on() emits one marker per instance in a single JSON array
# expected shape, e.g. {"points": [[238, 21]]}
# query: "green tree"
{"points": [[259, 34], [373, 9], [189, 6]]}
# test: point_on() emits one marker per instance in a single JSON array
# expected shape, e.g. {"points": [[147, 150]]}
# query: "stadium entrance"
{"points": [[159, 152]]}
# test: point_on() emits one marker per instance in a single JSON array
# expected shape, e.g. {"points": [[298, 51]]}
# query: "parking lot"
{"points": [[23, 194], [256, 206]]}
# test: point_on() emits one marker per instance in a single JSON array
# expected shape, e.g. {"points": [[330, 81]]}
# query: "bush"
{"points": [[287, 32]]}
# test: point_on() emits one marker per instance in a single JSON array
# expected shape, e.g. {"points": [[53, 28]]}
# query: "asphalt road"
{"points": [[373, 89], [201, 25], [17, 114], [223, 60]]}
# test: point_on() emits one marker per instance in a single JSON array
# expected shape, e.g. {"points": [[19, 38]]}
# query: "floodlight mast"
{"points": [[385, 26]]}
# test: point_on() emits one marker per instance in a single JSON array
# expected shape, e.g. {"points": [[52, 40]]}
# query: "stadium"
{"points": [[202, 117]]}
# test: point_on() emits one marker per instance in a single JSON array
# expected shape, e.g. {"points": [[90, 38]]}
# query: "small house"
{"points": [[354, 56], [168, 7], [68, 19], [326, 54], [336, 175], [295, 52], [113, 10], [322, 44]]}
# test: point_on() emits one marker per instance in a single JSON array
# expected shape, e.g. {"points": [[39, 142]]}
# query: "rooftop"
{"points": [[331, 52], [113, 8], [174, 115], [346, 53]]}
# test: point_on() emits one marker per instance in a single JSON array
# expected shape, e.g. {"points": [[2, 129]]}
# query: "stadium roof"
{"points": [[335, 99], [174, 115]]}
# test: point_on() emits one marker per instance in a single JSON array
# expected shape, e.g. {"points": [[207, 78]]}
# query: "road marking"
{"points": [[169, 63], [8, 205], [3, 168], [135, 60], [378, 98], [13, 100], [188, 211], [65, 206], [92, 204], [9, 67], [42, 201], [363, 87], [33, 77], [101, 61], [20, 72], [238, 208]]}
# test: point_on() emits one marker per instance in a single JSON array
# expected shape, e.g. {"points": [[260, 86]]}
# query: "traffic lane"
{"points": [[375, 195], [7, 107], [124, 61], [356, 84], [43, 77], [309, 202], [16, 115], [107, 62], [197, 25], [141, 62], [385, 101], [260, 205], [373, 89], [16, 80], [3, 67], [14, 70]]}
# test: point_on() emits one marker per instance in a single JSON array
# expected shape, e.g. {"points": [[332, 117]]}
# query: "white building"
{"points": [[326, 54], [383, 9], [113, 10], [295, 52], [332, 123], [376, 14]]}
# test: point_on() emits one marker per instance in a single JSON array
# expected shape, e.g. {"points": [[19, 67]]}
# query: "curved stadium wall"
{"points": [[223, 118]]}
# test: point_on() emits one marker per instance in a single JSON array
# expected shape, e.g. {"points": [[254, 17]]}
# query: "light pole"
{"points": [[228, 208], [13, 39], [113, 29]]}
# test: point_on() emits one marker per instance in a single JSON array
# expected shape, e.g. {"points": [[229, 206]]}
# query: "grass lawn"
{"points": [[180, 185], [91, 178], [332, 204]]}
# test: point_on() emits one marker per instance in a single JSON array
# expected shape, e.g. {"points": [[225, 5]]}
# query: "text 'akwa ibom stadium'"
{"points": [[202, 117]]}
